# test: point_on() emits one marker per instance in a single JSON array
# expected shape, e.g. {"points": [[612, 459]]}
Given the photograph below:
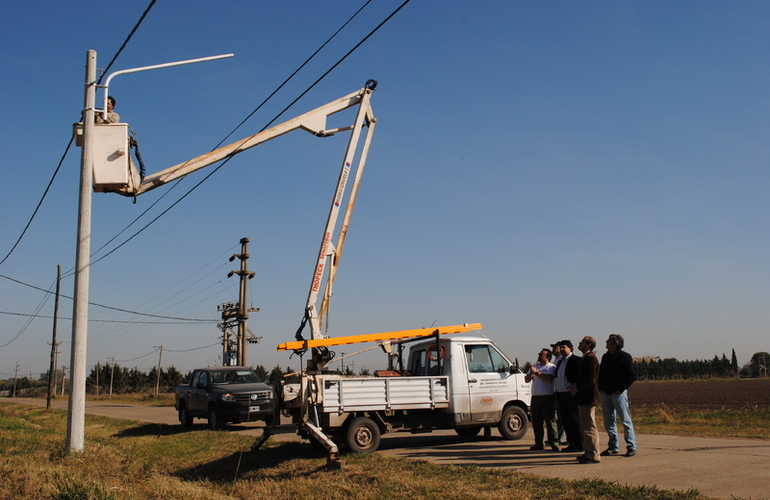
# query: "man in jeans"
{"points": [[616, 374]]}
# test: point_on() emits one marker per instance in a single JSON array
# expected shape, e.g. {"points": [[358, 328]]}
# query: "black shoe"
{"points": [[573, 449], [536, 447], [554, 447], [608, 452], [585, 460], [630, 453]]}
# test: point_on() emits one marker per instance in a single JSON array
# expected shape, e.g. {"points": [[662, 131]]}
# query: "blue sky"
{"points": [[549, 169]]}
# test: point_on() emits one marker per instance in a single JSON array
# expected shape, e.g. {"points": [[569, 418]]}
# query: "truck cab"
{"points": [[484, 382]]}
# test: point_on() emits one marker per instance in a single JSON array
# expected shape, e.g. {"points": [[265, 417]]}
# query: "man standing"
{"points": [[586, 394], [566, 376], [616, 374], [543, 406]]}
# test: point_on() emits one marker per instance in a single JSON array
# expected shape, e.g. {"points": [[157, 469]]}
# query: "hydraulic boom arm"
{"points": [[312, 121]]}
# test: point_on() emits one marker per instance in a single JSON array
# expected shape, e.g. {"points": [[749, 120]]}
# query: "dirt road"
{"points": [[717, 467]]}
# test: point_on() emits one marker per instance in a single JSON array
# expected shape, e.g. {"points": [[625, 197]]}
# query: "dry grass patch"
{"points": [[661, 419], [129, 460]]}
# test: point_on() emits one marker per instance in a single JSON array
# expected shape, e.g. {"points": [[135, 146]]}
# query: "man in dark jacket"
{"points": [[586, 392], [616, 375], [566, 376]]}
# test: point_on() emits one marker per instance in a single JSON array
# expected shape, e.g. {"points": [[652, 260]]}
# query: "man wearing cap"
{"points": [[566, 376], [616, 374]]}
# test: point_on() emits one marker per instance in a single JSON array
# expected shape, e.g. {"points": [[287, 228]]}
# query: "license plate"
{"points": [[253, 408]]}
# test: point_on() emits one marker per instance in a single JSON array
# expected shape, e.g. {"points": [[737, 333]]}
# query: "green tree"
{"points": [[759, 364]]}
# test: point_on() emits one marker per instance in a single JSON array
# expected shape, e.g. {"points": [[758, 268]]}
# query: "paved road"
{"points": [[717, 467]]}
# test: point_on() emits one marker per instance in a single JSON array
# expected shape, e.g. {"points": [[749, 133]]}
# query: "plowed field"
{"points": [[702, 395]]}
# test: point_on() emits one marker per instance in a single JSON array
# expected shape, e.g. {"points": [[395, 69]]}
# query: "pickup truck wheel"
{"points": [[184, 417], [513, 425], [362, 435], [216, 422], [468, 432]]}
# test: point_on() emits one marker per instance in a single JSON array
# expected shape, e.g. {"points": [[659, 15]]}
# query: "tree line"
{"points": [[116, 379], [648, 368]]}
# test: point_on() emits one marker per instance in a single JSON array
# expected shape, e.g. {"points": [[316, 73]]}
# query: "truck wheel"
{"points": [[468, 432], [216, 422], [184, 417], [513, 425], [362, 435]]}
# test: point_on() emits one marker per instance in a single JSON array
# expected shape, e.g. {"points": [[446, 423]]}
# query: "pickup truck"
{"points": [[463, 383], [224, 394]]}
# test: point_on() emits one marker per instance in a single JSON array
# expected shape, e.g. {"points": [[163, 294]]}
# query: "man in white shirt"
{"points": [[543, 407]]}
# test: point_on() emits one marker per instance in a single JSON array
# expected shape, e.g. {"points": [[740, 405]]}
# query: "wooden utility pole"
{"points": [[54, 344], [242, 315]]}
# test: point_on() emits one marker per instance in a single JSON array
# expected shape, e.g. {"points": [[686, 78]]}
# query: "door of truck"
{"points": [[199, 398], [490, 383]]}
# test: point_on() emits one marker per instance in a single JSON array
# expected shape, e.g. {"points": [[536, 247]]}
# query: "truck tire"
{"points": [[184, 416], [513, 424], [216, 422], [468, 432], [362, 435]]}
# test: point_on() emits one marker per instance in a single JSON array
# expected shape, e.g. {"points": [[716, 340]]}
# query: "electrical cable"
{"points": [[125, 42], [45, 193], [194, 348], [66, 150], [294, 73], [224, 162], [32, 316], [48, 292]]}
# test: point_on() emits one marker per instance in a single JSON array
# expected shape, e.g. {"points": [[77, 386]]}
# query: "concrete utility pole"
{"points": [[160, 362], [54, 344], [242, 315], [112, 373], [15, 379], [76, 415]]}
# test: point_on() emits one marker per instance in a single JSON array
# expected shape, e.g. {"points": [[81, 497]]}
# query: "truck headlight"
{"points": [[228, 397]]}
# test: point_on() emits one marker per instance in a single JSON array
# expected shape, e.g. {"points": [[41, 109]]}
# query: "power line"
{"points": [[295, 72], [108, 307], [224, 162], [136, 27], [32, 316], [39, 203], [9, 313], [66, 150]]}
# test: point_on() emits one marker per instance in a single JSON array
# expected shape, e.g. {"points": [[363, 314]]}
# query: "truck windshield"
{"points": [[227, 377]]}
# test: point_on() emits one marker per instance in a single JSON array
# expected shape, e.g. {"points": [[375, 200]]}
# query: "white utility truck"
{"points": [[459, 382]]}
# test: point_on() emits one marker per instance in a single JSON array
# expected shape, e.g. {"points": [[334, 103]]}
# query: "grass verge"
{"points": [[129, 460], [661, 419]]}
